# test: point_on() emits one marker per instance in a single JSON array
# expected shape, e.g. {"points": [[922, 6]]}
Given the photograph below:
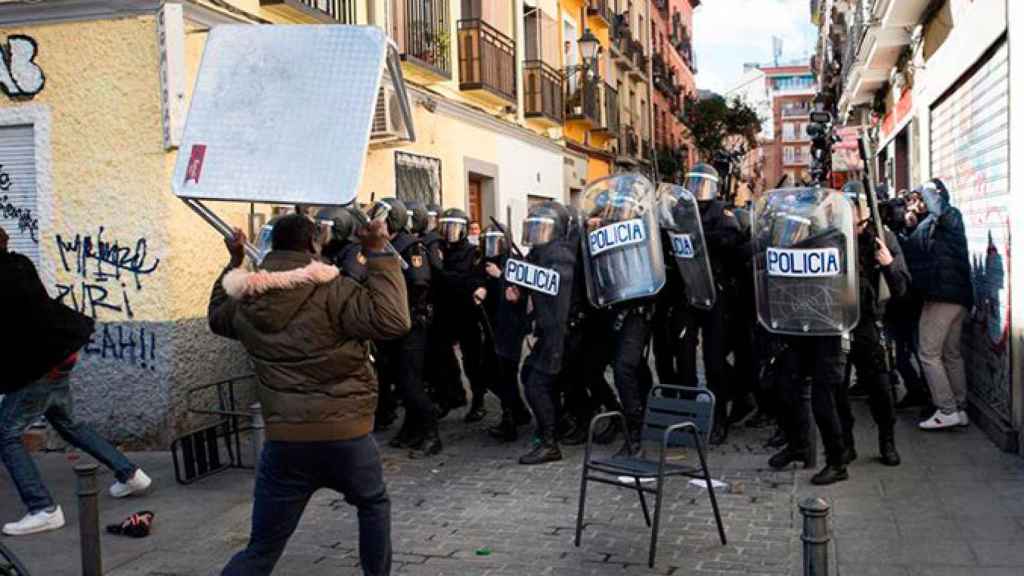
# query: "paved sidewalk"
{"points": [[954, 507]]}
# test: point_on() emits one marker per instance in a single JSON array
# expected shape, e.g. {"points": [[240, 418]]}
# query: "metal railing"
{"points": [[639, 58], [610, 97], [791, 111], [582, 96], [601, 9], [344, 11], [487, 59], [543, 92], [422, 34]]}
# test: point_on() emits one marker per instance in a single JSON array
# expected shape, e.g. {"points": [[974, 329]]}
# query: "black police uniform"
{"points": [[406, 355], [544, 362], [722, 235], [867, 354], [503, 350], [671, 315], [460, 322]]}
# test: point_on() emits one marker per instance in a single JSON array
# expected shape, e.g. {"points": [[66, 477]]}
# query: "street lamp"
{"points": [[589, 47]]}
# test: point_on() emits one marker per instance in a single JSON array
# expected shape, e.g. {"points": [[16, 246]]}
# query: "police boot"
{"points": [[887, 448], [786, 457], [430, 446], [545, 451], [477, 412], [505, 430], [830, 475]]}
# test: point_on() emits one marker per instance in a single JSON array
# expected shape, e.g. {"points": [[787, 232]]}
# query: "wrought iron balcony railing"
{"points": [[422, 33], [487, 59], [582, 96], [543, 93], [610, 121], [601, 9]]}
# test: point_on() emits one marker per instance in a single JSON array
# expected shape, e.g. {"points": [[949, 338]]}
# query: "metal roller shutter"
{"points": [[970, 153], [18, 212]]}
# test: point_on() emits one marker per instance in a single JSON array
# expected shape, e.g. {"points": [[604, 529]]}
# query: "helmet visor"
{"points": [[494, 244], [538, 230], [623, 207], [452, 229], [702, 186], [431, 221]]}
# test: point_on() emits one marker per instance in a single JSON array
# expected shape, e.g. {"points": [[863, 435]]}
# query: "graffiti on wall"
{"points": [[970, 152], [20, 76], [27, 222], [106, 274]]}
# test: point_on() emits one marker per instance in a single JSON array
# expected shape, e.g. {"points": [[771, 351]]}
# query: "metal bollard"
{"points": [[89, 520], [258, 433], [816, 536]]}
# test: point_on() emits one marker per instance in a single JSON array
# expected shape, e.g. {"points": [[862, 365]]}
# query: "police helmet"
{"points": [[453, 225], [340, 221], [433, 213], [418, 217], [494, 242], [545, 222], [393, 212], [702, 182]]}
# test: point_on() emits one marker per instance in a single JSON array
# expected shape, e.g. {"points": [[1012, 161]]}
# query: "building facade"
{"points": [[931, 83], [673, 66], [752, 90], [787, 155]]}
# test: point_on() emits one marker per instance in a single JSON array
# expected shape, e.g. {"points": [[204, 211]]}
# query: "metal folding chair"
{"points": [[217, 446], [9, 563], [676, 416]]}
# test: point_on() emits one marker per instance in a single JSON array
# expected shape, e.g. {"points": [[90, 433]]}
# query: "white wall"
{"points": [[527, 170]]}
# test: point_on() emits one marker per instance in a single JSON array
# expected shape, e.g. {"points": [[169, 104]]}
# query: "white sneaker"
{"points": [[41, 521], [940, 421], [964, 421], [137, 484]]}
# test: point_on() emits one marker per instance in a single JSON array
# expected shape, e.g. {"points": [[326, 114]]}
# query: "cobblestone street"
{"points": [[954, 507]]}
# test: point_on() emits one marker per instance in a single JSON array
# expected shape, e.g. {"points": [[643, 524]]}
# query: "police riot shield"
{"points": [[805, 269], [679, 217], [622, 247]]}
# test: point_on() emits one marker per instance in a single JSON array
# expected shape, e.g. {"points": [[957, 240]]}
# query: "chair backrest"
{"points": [[668, 405]]}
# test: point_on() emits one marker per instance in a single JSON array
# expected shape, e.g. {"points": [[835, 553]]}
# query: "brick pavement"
{"points": [[955, 507]]}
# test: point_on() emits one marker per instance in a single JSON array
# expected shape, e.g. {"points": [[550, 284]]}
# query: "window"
{"points": [[18, 202], [788, 155], [787, 131], [417, 178], [803, 132]]}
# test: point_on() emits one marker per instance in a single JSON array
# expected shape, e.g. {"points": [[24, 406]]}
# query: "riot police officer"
{"points": [[508, 326], [406, 355], [546, 279], [722, 236], [462, 292], [625, 270], [807, 293], [341, 248], [878, 258]]}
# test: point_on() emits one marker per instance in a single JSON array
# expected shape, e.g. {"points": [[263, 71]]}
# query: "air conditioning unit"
{"points": [[388, 122]]}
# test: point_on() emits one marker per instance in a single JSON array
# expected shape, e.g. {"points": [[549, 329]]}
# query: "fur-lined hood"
{"points": [[240, 283], [270, 298]]}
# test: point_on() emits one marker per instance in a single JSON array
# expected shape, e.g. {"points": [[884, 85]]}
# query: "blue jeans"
{"points": [[289, 473], [50, 398]]}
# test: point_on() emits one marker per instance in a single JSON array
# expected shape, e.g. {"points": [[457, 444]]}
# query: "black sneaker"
{"points": [[778, 440], [542, 453], [830, 475], [787, 457]]}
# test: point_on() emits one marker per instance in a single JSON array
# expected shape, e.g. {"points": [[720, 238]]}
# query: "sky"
{"points": [[728, 33]]}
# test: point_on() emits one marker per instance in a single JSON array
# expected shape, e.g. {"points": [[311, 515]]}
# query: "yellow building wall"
{"points": [[597, 168], [147, 279]]}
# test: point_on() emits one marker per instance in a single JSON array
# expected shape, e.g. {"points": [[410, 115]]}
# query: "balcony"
{"points": [[685, 49], [421, 30], [543, 93], [639, 71], [629, 145], [796, 111], [601, 10], [326, 11], [583, 98], [610, 97], [487, 62], [622, 43]]}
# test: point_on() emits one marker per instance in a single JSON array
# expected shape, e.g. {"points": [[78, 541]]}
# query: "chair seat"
{"points": [[640, 467]]}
